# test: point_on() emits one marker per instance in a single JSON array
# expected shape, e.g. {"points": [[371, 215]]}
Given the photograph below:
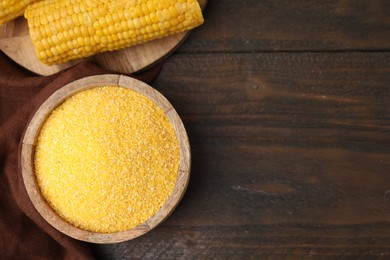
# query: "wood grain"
{"points": [[30, 139], [291, 158], [279, 25], [16, 43]]}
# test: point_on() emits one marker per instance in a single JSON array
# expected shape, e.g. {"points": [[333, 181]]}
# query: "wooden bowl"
{"points": [[30, 139]]}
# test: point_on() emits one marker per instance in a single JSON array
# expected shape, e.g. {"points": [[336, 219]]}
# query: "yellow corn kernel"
{"points": [[11, 9], [105, 20], [107, 159]]}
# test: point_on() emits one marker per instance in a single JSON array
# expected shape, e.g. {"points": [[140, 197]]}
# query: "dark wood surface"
{"points": [[287, 107]]}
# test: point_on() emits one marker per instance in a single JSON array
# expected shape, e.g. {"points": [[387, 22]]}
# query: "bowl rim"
{"points": [[30, 139]]}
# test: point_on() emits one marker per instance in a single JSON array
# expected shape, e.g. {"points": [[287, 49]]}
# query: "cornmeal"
{"points": [[107, 159]]}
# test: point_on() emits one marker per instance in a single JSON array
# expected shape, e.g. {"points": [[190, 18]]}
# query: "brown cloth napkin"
{"points": [[24, 234]]}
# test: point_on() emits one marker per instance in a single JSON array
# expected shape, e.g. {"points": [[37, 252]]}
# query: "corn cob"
{"points": [[63, 30], [10, 9]]}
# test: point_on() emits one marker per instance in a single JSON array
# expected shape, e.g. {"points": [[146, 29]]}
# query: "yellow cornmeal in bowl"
{"points": [[107, 159]]}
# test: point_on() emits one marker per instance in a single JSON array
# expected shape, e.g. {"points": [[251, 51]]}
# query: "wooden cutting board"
{"points": [[16, 43]]}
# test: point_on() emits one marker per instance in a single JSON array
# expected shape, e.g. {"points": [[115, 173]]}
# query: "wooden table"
{"points": [[287, 107]]}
